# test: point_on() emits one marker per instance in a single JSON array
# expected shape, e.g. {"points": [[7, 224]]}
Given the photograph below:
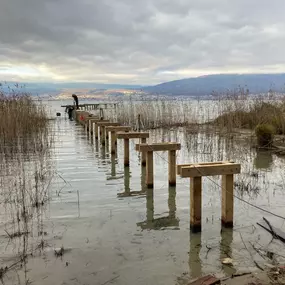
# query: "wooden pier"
{"points": [[126, 137], [93, 106], [193, 171], [149, 149]]}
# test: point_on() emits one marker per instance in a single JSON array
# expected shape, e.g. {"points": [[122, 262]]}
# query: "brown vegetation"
{"points": [[250, 114], [23, 124]]}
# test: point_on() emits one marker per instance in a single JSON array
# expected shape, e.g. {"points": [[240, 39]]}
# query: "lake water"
{"points": [[115, 231]]}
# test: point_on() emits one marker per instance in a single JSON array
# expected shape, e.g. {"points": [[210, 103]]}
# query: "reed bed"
{"points": [[23, 124], [160, 113], [26, 171], [223, 113], [247, 113]]}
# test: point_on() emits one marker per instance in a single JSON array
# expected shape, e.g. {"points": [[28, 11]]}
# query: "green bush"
{"points": [[265, 135]]}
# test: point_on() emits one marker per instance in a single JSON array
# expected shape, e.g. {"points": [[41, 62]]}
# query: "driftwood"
{"points": [[276, 233]]}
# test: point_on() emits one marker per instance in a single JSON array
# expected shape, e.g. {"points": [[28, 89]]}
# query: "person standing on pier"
{"points": [[75, 100]]}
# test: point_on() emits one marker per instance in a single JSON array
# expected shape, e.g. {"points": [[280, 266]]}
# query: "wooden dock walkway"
{"points": [[193, 171]]}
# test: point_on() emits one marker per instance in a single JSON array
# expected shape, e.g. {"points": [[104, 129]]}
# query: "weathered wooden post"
{"points": [[227, 200], [143, 140], [149, 169], [126, 137], [96, 127], [126, 152], [195, 172], [114, 130], [172, 167], [149, 149], [91, 124], [87, 121], [102, 126], [195, 204]]}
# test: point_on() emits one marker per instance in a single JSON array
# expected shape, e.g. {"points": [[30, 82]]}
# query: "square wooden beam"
{"points": [[132, 135], [197, 170], [158, 146]]}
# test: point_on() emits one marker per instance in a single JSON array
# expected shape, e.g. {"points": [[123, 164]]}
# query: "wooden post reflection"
{"points": [[127, 181], [226, 250], [113, 165], [195, 266], [170, 221]]}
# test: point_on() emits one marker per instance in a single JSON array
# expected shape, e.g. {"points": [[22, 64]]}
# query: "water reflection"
{"points": [[226, 250], [103, 152], [107, 144], [127, 190], [170, 221], [114, 173], [195, 265], [263, 159]]}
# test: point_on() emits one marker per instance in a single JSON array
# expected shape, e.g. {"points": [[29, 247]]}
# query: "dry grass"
{"points": [[235, 113], [159, 113], [23, 124], [226, 113], [26, 169]]}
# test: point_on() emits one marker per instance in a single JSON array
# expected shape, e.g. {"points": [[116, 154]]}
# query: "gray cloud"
{"points": [[135, 41]]}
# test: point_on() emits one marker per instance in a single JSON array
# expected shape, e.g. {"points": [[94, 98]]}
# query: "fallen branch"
{"points": [[276, 233]]}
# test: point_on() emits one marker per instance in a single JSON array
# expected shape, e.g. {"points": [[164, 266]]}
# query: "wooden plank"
{"points": [[179, 166], [92, 117], [210, 170], [159, 146], [118, 128], [105, 124], [227, 200], [132, 135]]}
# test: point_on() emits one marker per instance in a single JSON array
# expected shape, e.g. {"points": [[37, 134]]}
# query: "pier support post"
{"points": [[126, 152], [128, 136], [227, 200], [196, 171], [114, 130], [143, 140], [171, 147], [102, 135], [96, 131], [113, 142], [172, 167], [195, 204], [149, 169]]}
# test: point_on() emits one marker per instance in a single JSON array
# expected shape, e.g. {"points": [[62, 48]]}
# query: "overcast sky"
{"points": [[139, 41]]}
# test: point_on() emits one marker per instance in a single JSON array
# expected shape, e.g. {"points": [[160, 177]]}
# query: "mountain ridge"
{"points": [[207, 84]]}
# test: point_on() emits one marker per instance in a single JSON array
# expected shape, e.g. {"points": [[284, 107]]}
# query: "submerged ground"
{"points": [[101, 226]]}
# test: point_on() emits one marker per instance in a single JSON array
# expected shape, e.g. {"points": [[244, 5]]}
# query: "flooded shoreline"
{"points": [[112, 229]]}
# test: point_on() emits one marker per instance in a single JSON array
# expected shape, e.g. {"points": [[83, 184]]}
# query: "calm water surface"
{"points": [[115, 231]]}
